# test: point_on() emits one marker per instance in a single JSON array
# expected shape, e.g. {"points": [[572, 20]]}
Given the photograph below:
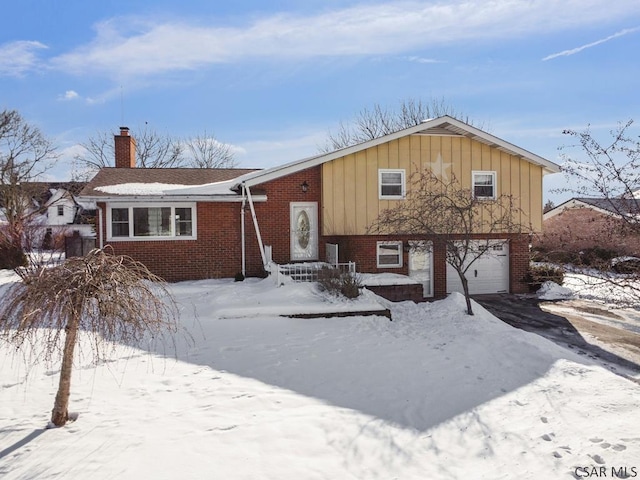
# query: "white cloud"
{"points": [[423, 60], [69, 95], [573, 51], [278, 148], [17, 58], [127, 47]]}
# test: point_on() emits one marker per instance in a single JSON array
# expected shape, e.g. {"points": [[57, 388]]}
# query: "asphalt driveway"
{"points": [[609, 336]]}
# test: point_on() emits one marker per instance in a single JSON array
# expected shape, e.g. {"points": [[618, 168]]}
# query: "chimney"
{"points": [[125, 149]]}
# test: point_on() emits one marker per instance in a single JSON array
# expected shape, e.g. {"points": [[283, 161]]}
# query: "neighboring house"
{"points": [[54, 213], [585, 223], [195, 224]]}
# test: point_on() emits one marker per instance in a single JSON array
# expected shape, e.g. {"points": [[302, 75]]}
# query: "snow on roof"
{"points": [[156, 188], [139, 188]]}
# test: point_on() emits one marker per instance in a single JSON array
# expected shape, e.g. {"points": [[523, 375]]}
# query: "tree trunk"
{"points": [[467, 297], [60, 413]]}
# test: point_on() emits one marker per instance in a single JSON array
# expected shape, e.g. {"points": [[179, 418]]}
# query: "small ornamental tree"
{"points": [[112, 298], [439, 207]]}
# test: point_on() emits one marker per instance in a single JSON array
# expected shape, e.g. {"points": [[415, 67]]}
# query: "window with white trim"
{"points": [[484, 185], [151, 222], [60, 210], [389, 254], [391, 184]]}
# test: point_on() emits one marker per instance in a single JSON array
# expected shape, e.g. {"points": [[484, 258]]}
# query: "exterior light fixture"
{"points": [[304, 186]]}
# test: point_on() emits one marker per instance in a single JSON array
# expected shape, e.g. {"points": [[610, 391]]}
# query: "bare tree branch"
{"points": [[453, 217], [377, 121], [606, 173], [154, 150], [112, 298], [204, 151], [25, 155]]}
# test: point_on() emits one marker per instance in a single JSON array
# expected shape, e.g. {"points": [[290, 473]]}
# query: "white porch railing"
{"points": [[305, 272]]}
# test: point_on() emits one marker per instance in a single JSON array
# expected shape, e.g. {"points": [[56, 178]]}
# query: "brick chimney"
{"points": [[125, 149]]}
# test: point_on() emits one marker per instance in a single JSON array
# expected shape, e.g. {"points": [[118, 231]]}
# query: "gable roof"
{"points": [[194, 182], [445, 125], [173, 179], [41, 193], [608, 206]]}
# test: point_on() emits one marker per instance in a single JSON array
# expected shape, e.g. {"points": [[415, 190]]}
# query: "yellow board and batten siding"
{"points": [[350, 195]]}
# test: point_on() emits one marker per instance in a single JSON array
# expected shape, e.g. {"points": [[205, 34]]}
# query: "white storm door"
{"points": [[304, 231], [421, 265]]}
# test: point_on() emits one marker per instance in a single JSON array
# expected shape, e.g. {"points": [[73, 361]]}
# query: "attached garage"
{"points": [[488, 274]]}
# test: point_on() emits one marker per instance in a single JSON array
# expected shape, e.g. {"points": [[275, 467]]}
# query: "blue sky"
{"points": [[272, 80]]}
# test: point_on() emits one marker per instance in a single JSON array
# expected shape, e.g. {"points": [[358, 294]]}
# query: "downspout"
{"points": [[99, 232], [242, 234], [256, 226]]}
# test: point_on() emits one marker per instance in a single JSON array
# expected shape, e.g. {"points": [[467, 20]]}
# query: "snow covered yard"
{"points": [[434, 394]]}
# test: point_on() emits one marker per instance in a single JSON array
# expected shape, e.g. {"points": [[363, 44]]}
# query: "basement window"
{"points": [[151, 222], [389, 254]]}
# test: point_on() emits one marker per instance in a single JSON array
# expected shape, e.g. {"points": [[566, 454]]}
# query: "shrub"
{"points": [[597, 257], [11, 257], [339, 283], [538, 274]]}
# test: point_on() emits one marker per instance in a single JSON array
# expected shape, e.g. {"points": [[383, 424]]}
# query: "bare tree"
{"points": [[112, 298], [377, 121], [157, 151], [609, 170], [604, 171], [25, 154], [204, 151], [154, 150], [453, 217]]}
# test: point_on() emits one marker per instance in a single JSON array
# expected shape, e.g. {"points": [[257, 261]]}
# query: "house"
{"points": [[52, 211], [196, 224], [62, 214], [582, 223]]}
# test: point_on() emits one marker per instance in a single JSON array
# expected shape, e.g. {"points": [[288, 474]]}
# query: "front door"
{"points": [[304, 231], [420, 265]]}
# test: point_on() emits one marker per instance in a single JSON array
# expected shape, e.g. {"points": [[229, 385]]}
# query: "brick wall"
{"points": [[399, 293], [273, 216], [362, 250], [519, 261], [579, 229], [125, 149], [217, 252]]}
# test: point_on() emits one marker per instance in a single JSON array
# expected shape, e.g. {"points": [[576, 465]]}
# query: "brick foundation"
{"points": [[399, 293]]}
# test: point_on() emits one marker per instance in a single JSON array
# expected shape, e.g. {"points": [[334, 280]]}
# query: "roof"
{"points": [[155, 179], [607, 206], [445, 125], [195, 182], [43, 192]]}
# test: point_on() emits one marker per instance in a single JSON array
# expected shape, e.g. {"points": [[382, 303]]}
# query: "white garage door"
{"points": [[488, 274]]}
